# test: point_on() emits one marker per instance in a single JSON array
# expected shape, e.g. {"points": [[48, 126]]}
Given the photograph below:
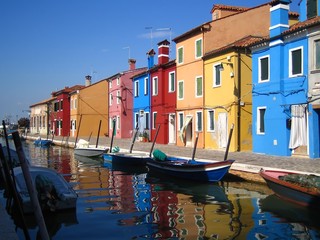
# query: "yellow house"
{"points": [[228, 96], [89, 106]]}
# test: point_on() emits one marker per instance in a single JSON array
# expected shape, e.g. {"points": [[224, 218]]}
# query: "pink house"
{"points": [[121, 101]]}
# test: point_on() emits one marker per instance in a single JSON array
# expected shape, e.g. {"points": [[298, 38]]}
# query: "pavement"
{"points": [[247, 164]]}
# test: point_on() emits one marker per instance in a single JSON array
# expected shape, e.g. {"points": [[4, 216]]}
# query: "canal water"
{"points": [[116, 202]]}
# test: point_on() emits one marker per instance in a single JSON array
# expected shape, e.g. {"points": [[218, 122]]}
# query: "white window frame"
{"points": [[118, 97], [196, 86], [314, 54], [259, 120], [172, 86], [154, 118], [155, 86], [197, 121], [146, 120], [110, 99], [209, 120], [195, 46], [118, 81], [110, 122], [260, 68], [214, 71], [180, 61], [110, 84], [75, 102], [136, 119], [178, 92], [118, 123], [145, 85], [136, 88], [180, 117], [291, 63]]}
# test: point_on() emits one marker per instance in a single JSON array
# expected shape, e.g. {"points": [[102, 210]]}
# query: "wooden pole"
{"points": [[134, 138], [112, 135], [32, 192], [229, 140], [154, 140], [195, 146], [98, 134], [75, 144]]}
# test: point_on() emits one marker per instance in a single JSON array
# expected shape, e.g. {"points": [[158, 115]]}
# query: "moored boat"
{"points": [[127, 158], [293, 191], [54, 192], [84, 149], [199, 170], [43, 142]]}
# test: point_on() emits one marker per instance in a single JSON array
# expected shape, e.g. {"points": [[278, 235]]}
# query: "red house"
{"points": [[60, 114], [163, 96]]}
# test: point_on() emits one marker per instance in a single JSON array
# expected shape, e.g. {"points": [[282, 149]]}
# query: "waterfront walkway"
{"points": [[246, 165]]}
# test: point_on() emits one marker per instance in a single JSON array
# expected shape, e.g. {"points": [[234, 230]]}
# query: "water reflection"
{"points": [[125, 203]]}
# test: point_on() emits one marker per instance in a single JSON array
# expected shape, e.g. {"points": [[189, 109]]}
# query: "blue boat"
{"points": [[127, 158], [43, 142], [198, 170]]}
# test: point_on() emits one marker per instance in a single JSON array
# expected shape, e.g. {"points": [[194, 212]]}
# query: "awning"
{"points": [[182, 133]]}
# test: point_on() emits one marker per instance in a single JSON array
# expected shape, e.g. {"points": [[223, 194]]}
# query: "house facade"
{"points": [[141, 99], [163, 96], [285, 112], [121, 101]]}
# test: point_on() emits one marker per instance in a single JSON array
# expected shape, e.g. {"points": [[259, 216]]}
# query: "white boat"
{"points": [[84, 149], [54, 192]]}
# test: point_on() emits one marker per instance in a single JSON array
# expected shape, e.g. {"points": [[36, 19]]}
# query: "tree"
{"points": [[24, 122]]}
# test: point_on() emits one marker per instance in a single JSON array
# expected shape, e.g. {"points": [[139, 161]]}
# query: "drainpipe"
{"points": [[239, 103]]}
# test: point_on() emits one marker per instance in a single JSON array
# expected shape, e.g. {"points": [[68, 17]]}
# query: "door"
{"points": [[172, 128], [223, 130]]}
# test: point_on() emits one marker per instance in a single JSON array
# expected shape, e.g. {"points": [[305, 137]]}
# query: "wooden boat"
{"points": [[54, 192], [84, 149], [293, 192], [43, 142], [199, 170], [127, 158]]}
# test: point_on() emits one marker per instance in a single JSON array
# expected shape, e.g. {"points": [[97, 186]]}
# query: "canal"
{"points": [[115, 202]]}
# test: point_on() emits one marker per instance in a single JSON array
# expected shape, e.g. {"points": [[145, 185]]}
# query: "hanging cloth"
{"points": [[298, 133]]}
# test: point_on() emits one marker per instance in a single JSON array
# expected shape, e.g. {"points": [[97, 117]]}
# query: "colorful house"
{"points": [[141, 99], [285, 112], [60, 116], [121, 100], [163, 96]]}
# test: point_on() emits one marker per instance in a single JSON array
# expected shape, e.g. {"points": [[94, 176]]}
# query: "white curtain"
{"points": [[298, 134]]}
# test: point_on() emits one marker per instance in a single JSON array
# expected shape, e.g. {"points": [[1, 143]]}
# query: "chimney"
{"points": [[151, 54], [88, 81], [163, 52], [132, 64], [279, 17]]}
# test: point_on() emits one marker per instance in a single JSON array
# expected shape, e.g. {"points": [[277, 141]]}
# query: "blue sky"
{"points": [[46, 45]]}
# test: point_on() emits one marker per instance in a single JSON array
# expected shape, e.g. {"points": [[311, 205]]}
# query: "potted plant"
{"points": [[145, 136]]}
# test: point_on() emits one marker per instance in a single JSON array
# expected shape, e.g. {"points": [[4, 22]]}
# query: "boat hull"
{"points": [[67, 197], [127, 158], [290, 191], [89, 152], [192, 170], [43, 143]]}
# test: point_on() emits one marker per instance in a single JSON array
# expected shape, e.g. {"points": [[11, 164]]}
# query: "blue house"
{"points": [[142, 97], [285, 122]]}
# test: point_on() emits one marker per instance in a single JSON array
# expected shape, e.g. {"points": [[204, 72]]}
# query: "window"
{"points": [[180, 90], [146, 114], [61, 105], [71, 104], [198, 86], [154, 120], [146, 86], [210, 121], [136, 120], [118, 97], [311, 8], [110, 99], [136, 88], [155, 86], [75, 103], [263, 69], [199, 122], [172, 81], [295, 62], [317, 54], [180, 114], [180, 55], [110, 84], [261, 120], [110, 123], [118, 81], [217, 75], [198, 48]]}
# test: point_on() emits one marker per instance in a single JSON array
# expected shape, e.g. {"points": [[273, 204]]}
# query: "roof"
{"points": [[67, 90], [229, 8], [42, 102], [241, 43]]}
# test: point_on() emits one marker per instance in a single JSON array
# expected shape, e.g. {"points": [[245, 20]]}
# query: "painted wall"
{"points": [[93, 107]]}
